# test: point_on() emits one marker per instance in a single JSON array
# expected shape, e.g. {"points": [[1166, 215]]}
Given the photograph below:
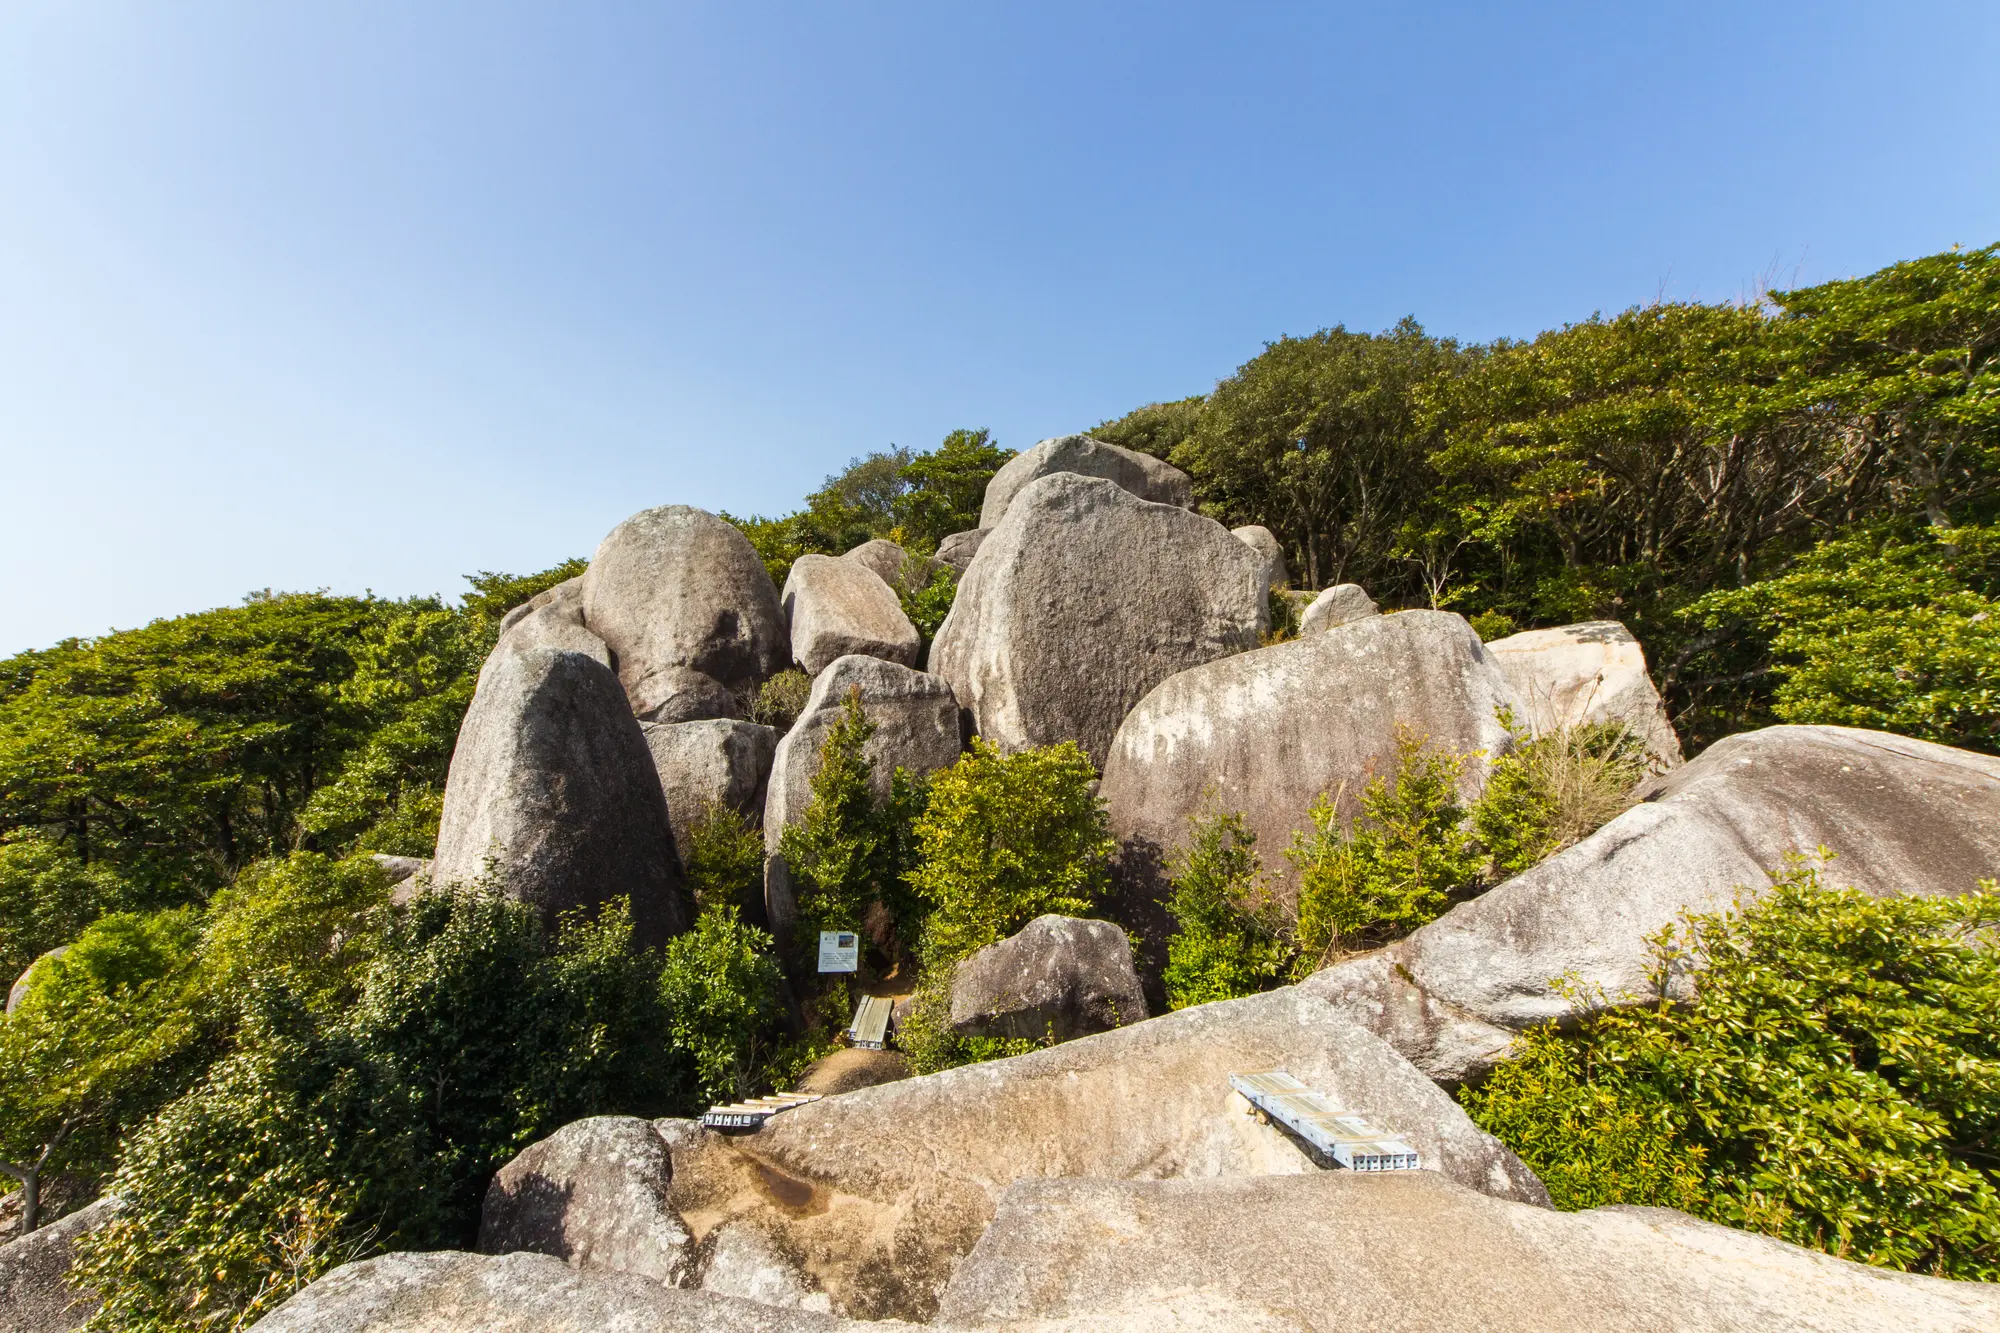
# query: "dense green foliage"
{"points": [[1550, 791], [1223, 944], [1834, 1081]]}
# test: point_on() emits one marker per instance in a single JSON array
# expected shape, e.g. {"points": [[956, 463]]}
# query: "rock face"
{"points": [[1141, 474], [35, 1293], [916, 727], [1261, 540], [551, 783], [1081, 571], [19, 990], [550, 619], [958, 549], [893, 565], [743, 1262], [837, 606], [719, 761], [687, 611], [1342, 604], [877, 1194], [1266, 732], [1903, 816], [1057, 976], [1593, 672], [593, 1194], [1335, 1251], [448, 1291]]}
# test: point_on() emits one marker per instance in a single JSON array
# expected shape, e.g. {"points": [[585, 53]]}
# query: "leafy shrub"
{"points": [[725, 858], [1005, 839], [1555, 790], [719, 983], [926, 1038], [1491, 625], [779, 700], [928, 602], [1285, 616], [1222, 946], [1835, 1080], [302, 922], [1392, 869]]}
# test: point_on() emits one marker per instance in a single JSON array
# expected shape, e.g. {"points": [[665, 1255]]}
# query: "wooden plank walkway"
{"points": [[1345, 1137]]}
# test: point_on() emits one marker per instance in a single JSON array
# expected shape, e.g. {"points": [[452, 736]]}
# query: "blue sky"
{"points": [[366, 295]]}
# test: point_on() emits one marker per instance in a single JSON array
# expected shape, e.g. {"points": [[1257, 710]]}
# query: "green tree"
{"points": [[719, 984], [1157, 428], [946, 488], [1223, 945]]}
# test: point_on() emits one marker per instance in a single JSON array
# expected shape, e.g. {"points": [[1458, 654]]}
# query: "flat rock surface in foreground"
{"points": [[1410, 1252], [879, 1192]]}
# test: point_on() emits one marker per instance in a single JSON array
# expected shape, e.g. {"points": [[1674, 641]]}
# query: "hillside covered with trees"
{"points": [[1795, 507]]}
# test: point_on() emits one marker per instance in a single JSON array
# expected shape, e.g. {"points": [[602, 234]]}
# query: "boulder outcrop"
{"points": [[1342, 604], [836, 607], [877, 1194], [552, 790], [1266, 733], [1902, 817], [958, 549], [552, 618], [35, 1291], [1141, 474], [895, 566], [718, 761], [1082, 571], [688, 612], [1593, 672], [1056, 977], [594, 1195], [1261, 540], [1335, 1251]]}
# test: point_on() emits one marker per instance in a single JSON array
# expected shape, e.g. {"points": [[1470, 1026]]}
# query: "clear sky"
{"points": [[370, 295]]}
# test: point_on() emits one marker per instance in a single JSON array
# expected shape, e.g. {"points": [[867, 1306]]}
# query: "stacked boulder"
{"points": [[1593, 672], [1138, 474]]}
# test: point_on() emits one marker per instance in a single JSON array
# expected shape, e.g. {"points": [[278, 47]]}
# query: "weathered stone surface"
{"points": [[1083, 599], [19, 990], [688, 611], [1140, 474], [1335, 1252], [552, 786], [741, 1261], [850, 1068], [894, 565], [448, 1291], [916, 728], [550, 619], [1261, 540], [1266, 732], [400, 868], [1342, 604], [35, 1292], [836, 606], [1593, 672], [958, 549], [1902, 816], [1056, 976], [877, 1193], [593, 1194], [717, 761]]}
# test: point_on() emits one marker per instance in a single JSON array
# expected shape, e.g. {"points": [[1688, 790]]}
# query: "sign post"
{"points": [[839, 951]]}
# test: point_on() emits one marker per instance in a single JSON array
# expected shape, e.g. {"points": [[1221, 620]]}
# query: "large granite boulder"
{"points": [[1342, 604], [593, 1194], [1593, 672], [1335, 1252], [1265, 543], [1083, 599], [1266, 733], [1901, 816], [715, 762], [1056, 977], [552, 618], [1141, 474], [958, 549], [449, 1291], [35, 1291], [895, 566], [877, 1194], [552, 792], [836, 606], [688, 612]]}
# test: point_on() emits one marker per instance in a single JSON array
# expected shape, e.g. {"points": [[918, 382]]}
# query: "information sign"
{"points": [[839, 951]]}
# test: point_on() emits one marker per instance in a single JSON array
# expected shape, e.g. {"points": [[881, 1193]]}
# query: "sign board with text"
{"points": [[839, 951]]}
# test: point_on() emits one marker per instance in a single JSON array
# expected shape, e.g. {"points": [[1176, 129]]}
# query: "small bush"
{"points": [[1835, 1080], [1491, 625], [1392, 869], [1555, 790], [1005, 839], [779, 700], [719, 983], [1222, 946], [925, 1034], [725, 859], [926, 599], [1284, 617]]}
